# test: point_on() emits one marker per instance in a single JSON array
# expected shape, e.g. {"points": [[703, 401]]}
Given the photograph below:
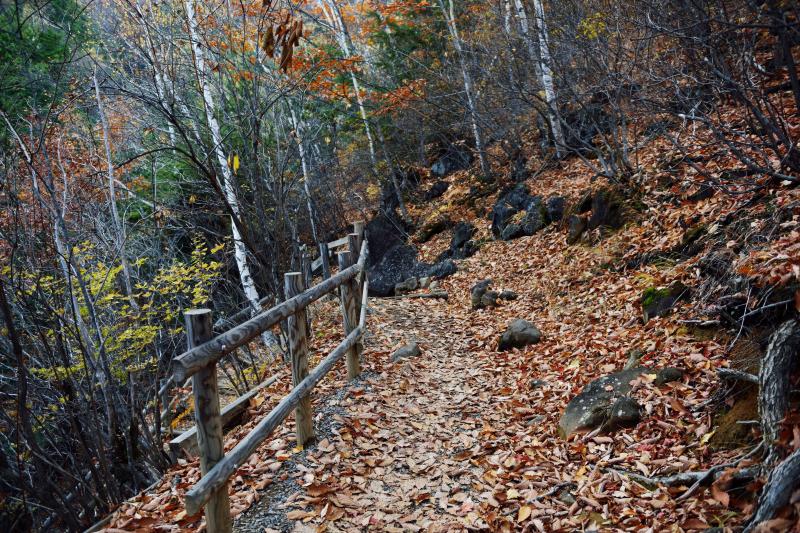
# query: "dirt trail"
{"points": [[399, 459]]}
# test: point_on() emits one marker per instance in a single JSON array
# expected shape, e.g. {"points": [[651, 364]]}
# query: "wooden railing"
{"points": [[204, 351]]}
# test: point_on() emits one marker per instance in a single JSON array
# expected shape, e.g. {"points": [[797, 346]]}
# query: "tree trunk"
{"points": [[547, 78], [472, 106]]}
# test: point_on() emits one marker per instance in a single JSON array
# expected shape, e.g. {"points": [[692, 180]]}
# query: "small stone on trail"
{"points": [[406, 286], [668, 375], [477, 292], [519, 333], [508, 295], [537, 383], [489, 299], [407, 350]]}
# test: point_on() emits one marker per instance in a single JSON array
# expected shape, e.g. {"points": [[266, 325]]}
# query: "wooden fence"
{"points": [[205, 349]]}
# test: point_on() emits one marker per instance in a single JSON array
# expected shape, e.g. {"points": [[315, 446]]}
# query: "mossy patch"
{"points": [[653, 294]]}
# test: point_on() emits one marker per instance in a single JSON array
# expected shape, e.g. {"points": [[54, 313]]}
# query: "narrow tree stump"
{"points": [[199, 329], [298, 347], [350, 316]]}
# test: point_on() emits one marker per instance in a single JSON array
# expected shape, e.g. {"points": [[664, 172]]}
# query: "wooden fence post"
{"points": [[199, 329], [358, 229], [298, 346], [354, 240], [350, 316], [323, 254]]}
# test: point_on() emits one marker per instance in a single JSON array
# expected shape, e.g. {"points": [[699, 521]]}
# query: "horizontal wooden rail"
{"points": [[217, 477], [188, 439], [317, 263], [209, 352]]}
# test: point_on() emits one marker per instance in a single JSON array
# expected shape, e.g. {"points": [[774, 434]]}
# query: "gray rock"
{"points": [[625, 412], [668, 375], [434, 285], [425, 282], [442, 269], [508, 295], [411, 284], [607, 209], [519, 333], [659, 302], [407, 350], [591, 408], [489, 299], [577, 225], [477, 292], [555, 208], [535, 219], [537, 383], [511, 202], [397, 264]]}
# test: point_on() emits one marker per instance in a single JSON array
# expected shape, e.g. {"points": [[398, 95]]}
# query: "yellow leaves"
{"points": [[524, 513], [233, 163], [512, 494], [592, 27]]}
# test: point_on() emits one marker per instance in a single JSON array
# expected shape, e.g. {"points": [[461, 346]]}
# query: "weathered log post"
{"points": [[306, 267], [199, 329], [354, 242], [350, 316], [298, 347], [323, 256], [358, 229]]}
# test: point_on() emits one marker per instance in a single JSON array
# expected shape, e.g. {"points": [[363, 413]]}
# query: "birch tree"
{"points": [[228, 186], [472, 106]]}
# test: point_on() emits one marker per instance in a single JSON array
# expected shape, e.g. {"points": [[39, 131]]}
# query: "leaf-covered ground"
{"points": [[463, 436]]}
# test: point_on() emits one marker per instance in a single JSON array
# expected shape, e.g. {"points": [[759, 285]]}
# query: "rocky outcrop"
{"points": [[508, 295], [576, 227], [509, 204], [461, 245], [607, 209], [520, 333], [533, 220], [385, 232], [432, 227]]}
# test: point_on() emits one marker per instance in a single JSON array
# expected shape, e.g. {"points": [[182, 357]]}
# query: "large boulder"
{"points": [[509, 204], [397, 265], [520, 333], [385, 232], [576, 225], [431, 227], [460, 244], [592, 407], [454, 157], [442, 269]]}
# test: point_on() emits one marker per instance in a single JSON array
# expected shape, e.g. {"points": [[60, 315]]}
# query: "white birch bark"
{"points": [[240, 251], [298, 129], [547, 77], [449, 16]]}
